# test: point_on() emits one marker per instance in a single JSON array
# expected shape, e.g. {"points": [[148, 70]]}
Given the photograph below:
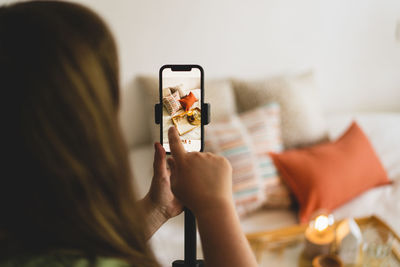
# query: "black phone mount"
{"points": [[190, 243], [190, 259]]}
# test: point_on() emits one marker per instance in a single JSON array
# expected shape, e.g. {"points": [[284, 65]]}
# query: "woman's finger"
{"points": [[175, 144], [159, 164]]}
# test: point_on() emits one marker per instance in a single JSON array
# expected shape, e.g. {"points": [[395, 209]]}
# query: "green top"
{"points": [[62, 261]]}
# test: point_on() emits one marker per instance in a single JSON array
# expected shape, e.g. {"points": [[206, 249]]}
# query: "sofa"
{"points": [[381, 128]]}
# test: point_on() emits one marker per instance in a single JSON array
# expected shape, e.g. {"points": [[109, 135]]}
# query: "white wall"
{"points": [[350, 44]]}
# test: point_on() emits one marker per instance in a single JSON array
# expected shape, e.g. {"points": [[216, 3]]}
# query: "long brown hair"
{"points": [[66, 181]]}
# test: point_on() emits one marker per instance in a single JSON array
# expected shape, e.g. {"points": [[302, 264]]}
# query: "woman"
{"points": [[66, 193]]}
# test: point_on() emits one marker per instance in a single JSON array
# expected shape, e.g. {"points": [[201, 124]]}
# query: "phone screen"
{"points": [[181, 92]]}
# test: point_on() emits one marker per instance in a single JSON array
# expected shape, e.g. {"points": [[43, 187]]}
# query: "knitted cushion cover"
{"points": [[171, 103]]}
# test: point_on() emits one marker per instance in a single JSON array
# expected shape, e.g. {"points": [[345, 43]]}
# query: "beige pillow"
{"points": [[166, 91], [218, 93], [178, 89], [301, 113]]}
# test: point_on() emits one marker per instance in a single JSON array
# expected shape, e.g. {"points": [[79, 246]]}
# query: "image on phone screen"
{"points": [[181, 96]]}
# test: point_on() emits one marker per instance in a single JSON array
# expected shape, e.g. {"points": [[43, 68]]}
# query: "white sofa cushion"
{"points": [[383, 130]]}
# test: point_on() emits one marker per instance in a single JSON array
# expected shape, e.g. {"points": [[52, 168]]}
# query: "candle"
{"points": [[320, 236], [321, 223]]}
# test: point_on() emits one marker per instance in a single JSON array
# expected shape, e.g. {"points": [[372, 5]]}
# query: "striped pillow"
{"points": [[264, 127], [245, 141], [230, 139], [171, 103]]}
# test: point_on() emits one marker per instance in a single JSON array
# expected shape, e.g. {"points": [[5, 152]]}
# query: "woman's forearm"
{"points": [[223, 241], [153, 215]]}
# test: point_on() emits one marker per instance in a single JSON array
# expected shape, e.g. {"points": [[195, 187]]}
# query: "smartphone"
{"points": [[182, 99]]}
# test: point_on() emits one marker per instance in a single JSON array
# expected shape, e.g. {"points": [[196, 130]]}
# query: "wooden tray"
{"points": [[182, 124], [284, 247]]}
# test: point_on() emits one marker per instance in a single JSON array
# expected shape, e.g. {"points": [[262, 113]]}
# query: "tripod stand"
{"points": [[190, 243], [190, 259]]}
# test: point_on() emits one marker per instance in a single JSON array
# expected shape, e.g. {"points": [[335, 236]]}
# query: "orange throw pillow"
{"points": [[188, 101], [328, 175]]}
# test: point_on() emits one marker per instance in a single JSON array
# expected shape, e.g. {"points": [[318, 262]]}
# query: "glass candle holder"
{"points": [[319, 235], [377, 246]]}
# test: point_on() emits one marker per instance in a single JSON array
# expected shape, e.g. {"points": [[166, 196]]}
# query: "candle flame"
{"points": [[321, 223]]}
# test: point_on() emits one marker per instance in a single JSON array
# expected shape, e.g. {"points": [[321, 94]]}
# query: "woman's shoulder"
{"points": [[62, 261]]}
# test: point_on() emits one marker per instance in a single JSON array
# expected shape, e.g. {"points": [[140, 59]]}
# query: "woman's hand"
{"points": [[160, 193], [160, 203], [202, 181]]}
